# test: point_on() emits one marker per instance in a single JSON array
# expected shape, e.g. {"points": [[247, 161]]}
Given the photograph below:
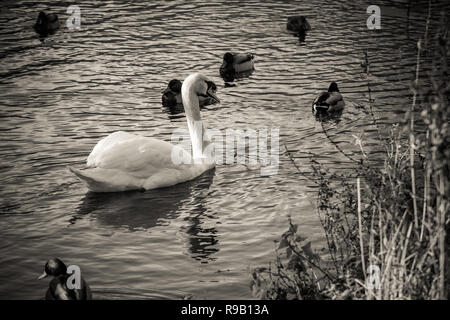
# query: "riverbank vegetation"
{"points": [[385, 225]]}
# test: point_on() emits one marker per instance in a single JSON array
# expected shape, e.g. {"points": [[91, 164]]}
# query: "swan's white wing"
{"points": [[135, 155], [124, 161], [106, 143]]}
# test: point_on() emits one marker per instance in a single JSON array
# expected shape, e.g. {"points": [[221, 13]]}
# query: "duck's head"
{"points": [[54, 267], [228, 57], [301, 20], [42, 18], [333, 87], [201, 86], [298, 23], [175, 85]]}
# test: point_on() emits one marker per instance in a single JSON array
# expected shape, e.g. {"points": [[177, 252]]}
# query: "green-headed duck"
{"points": [[235, 63], [46, 23], [172, 95], [58, 289], [329, 101], [299, 25]]}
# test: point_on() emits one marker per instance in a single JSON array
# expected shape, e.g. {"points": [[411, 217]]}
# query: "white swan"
{"points": [[124, 161]]}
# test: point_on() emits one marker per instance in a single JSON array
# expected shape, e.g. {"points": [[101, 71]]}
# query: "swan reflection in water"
{"points": [[139, 211]]}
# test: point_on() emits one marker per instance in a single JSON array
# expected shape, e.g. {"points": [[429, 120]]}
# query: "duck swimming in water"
{"points": [[58, 289], [299, 25], [172, 95], [235, 63], [329, 101], [46, 24], [124, 161]]}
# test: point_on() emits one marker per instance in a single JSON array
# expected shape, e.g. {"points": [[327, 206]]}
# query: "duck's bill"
{"points": [[43, 275], [213, 96]]}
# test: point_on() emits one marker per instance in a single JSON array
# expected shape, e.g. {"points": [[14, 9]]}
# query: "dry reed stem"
{"points": [[361, 244], [411, 137]]}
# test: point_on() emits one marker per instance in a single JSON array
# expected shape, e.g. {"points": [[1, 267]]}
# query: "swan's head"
{"points": [[333, 87], [54, 267], [201, 86]]}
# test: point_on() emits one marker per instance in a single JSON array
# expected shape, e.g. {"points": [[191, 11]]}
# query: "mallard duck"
{"points": [[46, 23], [329, 101], [298, 24], [234, 63], [58, 289], [172, 95]]}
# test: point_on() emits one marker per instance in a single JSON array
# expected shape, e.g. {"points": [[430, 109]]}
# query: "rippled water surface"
{"points": [[58, 97]]}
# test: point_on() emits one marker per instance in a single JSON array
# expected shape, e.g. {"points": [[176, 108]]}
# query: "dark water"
{"points": [[58, 97]]}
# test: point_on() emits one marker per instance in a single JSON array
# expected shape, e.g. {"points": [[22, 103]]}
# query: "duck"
{"points": [[298, 24], [172, 95], [58, 289], [46, 23], [329, 101], [124, 161], [235, 63]]}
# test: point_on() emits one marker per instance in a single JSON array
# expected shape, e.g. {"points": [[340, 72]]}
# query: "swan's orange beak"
{"points": [[210, 93]]}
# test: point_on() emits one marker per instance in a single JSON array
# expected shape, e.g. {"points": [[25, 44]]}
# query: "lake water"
{"points": [[201, 239]]}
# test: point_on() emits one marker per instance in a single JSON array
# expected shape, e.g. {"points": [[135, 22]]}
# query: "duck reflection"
{"points": [[174, 111], [177, 111], [301, 37], [332, 117], [139, 211], [231, 76]]}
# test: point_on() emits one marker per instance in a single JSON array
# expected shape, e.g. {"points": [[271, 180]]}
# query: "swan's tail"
{"points": [[105, 180]]}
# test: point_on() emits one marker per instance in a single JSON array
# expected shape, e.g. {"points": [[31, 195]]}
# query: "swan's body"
{"points": [[124, 161], [46, 23], [57, 289], [236, 63], [172, 95], [328, 101]]}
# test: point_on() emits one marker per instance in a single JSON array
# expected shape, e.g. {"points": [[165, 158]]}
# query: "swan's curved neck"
{"points": [[194, 121]]}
